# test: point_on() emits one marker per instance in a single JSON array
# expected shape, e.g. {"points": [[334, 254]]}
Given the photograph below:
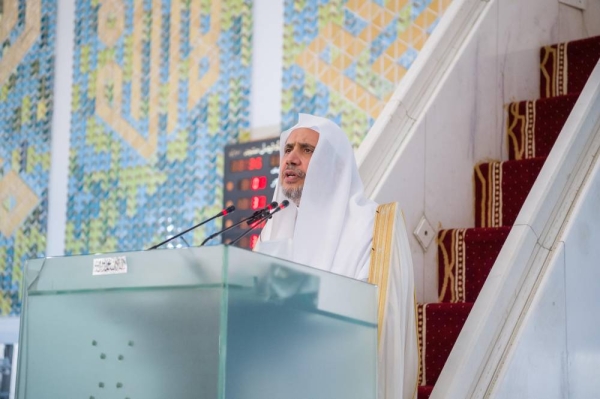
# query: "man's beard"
{"points": [[295, 193]]}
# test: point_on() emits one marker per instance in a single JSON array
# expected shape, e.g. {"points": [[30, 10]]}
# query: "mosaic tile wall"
{"points": [[344, 58], [27, 37], [159, 88]]}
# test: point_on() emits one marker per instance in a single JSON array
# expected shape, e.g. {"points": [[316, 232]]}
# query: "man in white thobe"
{"points": [[331, 228]]}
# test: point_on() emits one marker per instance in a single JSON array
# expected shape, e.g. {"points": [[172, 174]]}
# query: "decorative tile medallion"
{"points": [[27, 36], [159, 88], [344, 58]]}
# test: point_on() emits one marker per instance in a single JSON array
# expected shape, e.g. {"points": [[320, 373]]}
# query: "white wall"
{"points": [[465, 122], [267, 68], [61, 128]]}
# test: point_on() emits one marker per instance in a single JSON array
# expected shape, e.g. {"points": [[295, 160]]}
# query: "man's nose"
{"points": [[293, 158]]}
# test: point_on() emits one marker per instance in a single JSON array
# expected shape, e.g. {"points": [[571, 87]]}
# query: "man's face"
{"points": [[298, 151]]}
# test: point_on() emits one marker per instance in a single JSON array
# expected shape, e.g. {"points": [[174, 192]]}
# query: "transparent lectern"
{"points": [[211, 322]]}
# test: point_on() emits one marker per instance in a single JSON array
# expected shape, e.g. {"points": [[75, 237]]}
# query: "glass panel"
{"points": [[150, 333], [294, 332], [157, 268], [186, 324]]}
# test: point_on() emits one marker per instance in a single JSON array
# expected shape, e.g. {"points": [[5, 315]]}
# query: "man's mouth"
{"points": [[292, 176]]}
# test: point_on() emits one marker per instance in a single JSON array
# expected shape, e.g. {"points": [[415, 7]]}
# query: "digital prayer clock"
{"points": [[251, 172]]}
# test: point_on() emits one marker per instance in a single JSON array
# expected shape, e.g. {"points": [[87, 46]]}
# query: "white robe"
{"points": [[332, 230]]}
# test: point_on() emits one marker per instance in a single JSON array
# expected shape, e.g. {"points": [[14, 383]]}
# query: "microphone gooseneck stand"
{"points": [[255, 216], [281, 206], [224, 212]]}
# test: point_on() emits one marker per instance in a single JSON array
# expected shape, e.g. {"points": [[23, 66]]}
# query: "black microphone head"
{"points": [[228, 210], [284, 204], [272, 205]]}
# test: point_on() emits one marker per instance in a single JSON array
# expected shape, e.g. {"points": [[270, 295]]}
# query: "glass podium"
{"points": [[210, 322]]}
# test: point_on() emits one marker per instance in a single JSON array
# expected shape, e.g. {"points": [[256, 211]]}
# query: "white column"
{"points": [[61, 128], [267, 68]]}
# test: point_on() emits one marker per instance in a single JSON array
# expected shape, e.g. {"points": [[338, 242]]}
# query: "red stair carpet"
{"points": [[466, 256]]}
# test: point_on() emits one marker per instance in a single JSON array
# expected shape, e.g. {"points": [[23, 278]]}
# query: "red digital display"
{"points": [[251, 172], [253, 183], [258, 202], [255, 163], [253, 240], [243, 165], [258, 225], [259, 183]]}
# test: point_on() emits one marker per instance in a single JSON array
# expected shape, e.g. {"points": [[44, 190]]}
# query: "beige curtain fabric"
{"points": [[391, 270]]}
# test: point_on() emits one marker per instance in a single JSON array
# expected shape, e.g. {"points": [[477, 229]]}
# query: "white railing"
{"points": [[479, 353]]}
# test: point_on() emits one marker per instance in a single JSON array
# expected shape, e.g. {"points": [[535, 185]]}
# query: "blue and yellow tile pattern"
{"points": [[160, 86], [27, 37], [344, 58]]}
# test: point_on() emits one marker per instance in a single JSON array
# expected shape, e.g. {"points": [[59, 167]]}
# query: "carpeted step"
{"points": [[566, 67], [438, 327], [501, 189], [465, 258], [534, 126], [424, 392]]}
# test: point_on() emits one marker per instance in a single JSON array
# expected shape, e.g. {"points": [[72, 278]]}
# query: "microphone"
{"points": [[224, 212], [256, 215], [281, 206], [262, 212]]}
